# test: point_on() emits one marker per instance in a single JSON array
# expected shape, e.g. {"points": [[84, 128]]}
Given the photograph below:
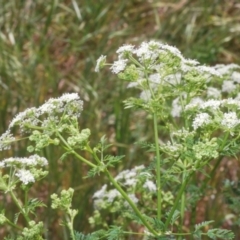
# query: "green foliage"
{"points": [[35, 64], [114, 233], [216, 233]]}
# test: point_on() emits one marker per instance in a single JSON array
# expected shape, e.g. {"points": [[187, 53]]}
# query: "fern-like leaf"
{"points": [[220, 233], [114, 233]]}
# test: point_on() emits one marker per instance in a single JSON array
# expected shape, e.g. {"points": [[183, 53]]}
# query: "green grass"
{"points": [[50, 47]]}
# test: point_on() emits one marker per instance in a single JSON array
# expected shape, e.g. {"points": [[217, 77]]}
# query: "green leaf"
{"points": [[220, 233], [202, 225], [114, 233], [175, 216], [34, 203]]}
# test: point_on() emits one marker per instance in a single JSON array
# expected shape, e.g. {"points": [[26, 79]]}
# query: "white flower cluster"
{"points": [[233, 77], [213, 93], [229, 119], [68, 103], [150, 185], [128, 179], [103, 195], [25, 167], [200, 120], [31, 161], [100, 63], [25, 176], [226, 69], [5, 140]]}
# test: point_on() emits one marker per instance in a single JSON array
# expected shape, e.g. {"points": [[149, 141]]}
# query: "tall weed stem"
{"points": [[159, 188]]}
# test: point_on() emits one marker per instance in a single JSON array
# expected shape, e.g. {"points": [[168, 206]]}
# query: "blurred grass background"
{"points": [[49, 47]]}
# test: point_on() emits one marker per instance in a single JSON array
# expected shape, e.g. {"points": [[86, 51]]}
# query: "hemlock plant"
{"points": [[196, 105]]}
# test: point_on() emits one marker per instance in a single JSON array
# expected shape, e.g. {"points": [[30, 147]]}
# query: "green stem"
{"points": [[126, 197], [123, 193], [70, 226], [183, 198], [180, 193], [74, 153], [20, 207], [159, 188], [13, 225]]}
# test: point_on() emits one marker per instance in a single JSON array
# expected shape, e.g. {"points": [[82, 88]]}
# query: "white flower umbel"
{"points": [[100, 193], [213, 93], [236, 77], [119, 66], [25, 176], [228, 86], [200, 120], [226, 69], [145, 95], [208, 70], [100, 63], [230, 120], [176, 108], [212, 104], [173, 79], [148, 51], [68, 102], [195, 103], [18, 162], [112, 194], [125, 50], [150, 185], [29, 116], [5, 140]]}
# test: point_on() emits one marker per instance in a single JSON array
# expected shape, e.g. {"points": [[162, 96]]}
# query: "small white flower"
{"points": [[236, 77], [139, 168], [148, 51], [230, 120], [125, 49], [207, 69], [228, 86], [212, 103], [150, 185], [119, 66], [100, 193], [143, 51], [173, 79], [230, 101], [176, 108], [225, 69], [213, 93], [31, 161], [155, 78], [190, 62], [145, 95], [112, 194], [200, 120], [58, 105], [173, 50], [195, 102], [100, 63], [25, 176], [5, 140], [130, 182], [28, 116]]}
